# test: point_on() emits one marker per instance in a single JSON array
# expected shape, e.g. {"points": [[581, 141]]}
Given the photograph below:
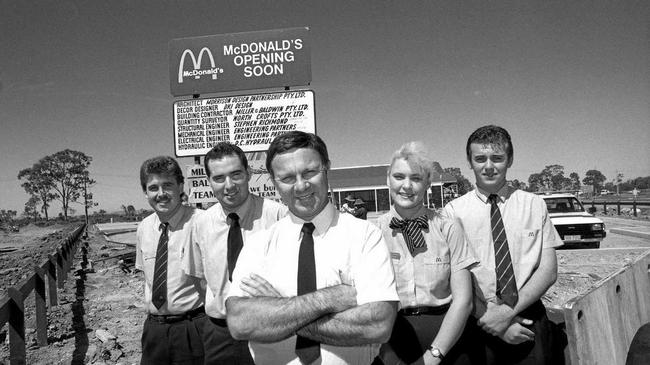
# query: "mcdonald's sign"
{"points": [[240, 61]]}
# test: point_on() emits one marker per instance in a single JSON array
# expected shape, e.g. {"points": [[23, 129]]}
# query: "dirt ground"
{"points": [[100, 316], [100, 313]]}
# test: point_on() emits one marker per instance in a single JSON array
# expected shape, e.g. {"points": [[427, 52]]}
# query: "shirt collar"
{"points": [[240, 210], [503, 193], [321, 221], [176, 219], [422, 211]]}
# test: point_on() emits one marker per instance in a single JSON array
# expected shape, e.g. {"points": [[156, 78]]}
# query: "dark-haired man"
{"points": [[515, 241], [218, 236], [318, 284], [173, 300]]}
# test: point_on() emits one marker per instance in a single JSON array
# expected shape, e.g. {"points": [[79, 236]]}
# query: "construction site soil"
{"points": [[100, 313]]}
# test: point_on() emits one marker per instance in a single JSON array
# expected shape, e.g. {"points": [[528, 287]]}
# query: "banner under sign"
{"points": [[199, 190], [249, 121]]}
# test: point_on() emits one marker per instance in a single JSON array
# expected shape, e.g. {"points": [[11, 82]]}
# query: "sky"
{"points": [[570, 81]]}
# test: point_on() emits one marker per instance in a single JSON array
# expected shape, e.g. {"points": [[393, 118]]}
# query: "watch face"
{"points": [[436, 353]]}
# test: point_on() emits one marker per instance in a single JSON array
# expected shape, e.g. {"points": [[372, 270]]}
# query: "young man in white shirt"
{"points": [[510, 321], [217, 238]]}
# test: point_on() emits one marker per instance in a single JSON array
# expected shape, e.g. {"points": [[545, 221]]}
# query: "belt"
{"points": [[221, 322], [416, 311], [171, 318]]}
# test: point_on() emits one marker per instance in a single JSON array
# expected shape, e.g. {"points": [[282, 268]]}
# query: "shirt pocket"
{"points": [[398, 264], [437, 269], [526, 248], [484, 251], [331, 276], [148, 256], [434, 276]]}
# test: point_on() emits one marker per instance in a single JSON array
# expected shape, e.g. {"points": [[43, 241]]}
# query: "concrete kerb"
{"points": [[631, 232]]}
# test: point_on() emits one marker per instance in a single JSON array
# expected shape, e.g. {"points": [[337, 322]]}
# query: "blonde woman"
{"points": [[430, 257]]}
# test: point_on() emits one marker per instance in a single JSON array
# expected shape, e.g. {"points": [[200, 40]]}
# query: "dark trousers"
{"points": [[177, 343], [413, 334], [493, 350], [221, 348]]}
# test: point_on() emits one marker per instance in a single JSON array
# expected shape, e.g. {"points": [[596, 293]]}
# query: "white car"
{"points": [[573, 223]]}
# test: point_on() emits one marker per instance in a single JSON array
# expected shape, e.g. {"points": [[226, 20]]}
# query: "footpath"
{"points": [[629, 227]]}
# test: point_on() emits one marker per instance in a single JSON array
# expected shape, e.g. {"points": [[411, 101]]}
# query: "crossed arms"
{"points": [[329, 315]]}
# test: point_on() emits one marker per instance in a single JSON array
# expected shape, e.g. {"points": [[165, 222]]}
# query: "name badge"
{"points": [[395, 255]]}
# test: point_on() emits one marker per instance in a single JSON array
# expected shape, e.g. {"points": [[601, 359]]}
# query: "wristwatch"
{"points": [[435, 352]]}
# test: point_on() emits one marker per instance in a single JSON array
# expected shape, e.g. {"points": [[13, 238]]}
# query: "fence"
{"points": [[12, 307], [602, 323], [618, 203]]}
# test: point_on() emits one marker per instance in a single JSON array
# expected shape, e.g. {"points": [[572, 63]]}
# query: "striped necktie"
{"points": [[411, 230], [159, 292], [235, 243], [506, 284], [307, 349]]}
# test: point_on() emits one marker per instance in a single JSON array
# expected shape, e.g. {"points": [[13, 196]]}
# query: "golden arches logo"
{"points": [[196, 63]]}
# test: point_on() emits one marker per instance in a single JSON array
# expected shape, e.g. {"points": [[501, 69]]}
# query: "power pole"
{"points": [[86, 204]]}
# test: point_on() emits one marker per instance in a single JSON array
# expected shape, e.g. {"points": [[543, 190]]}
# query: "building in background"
{"points": [[369, 184]]}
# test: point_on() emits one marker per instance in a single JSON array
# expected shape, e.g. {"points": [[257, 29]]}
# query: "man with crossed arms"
{"points": [[318, 284], [515, 241], [217, 238]]}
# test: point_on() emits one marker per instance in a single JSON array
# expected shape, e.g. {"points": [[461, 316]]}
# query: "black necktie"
{"points": [[235, 243], [506, 284], [307, 349], [159, 292], [411, 230]]}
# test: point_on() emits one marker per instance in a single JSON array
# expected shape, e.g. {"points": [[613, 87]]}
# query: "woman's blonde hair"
{"points": [[415, 152]]}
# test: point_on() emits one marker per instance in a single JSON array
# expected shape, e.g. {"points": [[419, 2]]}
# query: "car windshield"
{"points": [[563, 205]]}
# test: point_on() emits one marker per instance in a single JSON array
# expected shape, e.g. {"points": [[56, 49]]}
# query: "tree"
{"points": [[7, 216], [463, 184], [575, 181], [554, 178], [535, 182], [31, 210], [38, 185], [617, 181], [594, 178], [550, 178], [517, 184], [68, 172]]}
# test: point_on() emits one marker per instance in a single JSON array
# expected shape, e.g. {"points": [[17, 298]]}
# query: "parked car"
{"points": [[573, 223]]}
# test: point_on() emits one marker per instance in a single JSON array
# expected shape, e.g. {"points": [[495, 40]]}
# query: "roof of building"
{"points": [[370, 176]]}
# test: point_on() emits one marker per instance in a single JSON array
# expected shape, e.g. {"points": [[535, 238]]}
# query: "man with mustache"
{"points": [[173, 300]]}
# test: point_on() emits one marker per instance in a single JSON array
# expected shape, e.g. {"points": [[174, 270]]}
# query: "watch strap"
{"points": [[435, 352]]}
